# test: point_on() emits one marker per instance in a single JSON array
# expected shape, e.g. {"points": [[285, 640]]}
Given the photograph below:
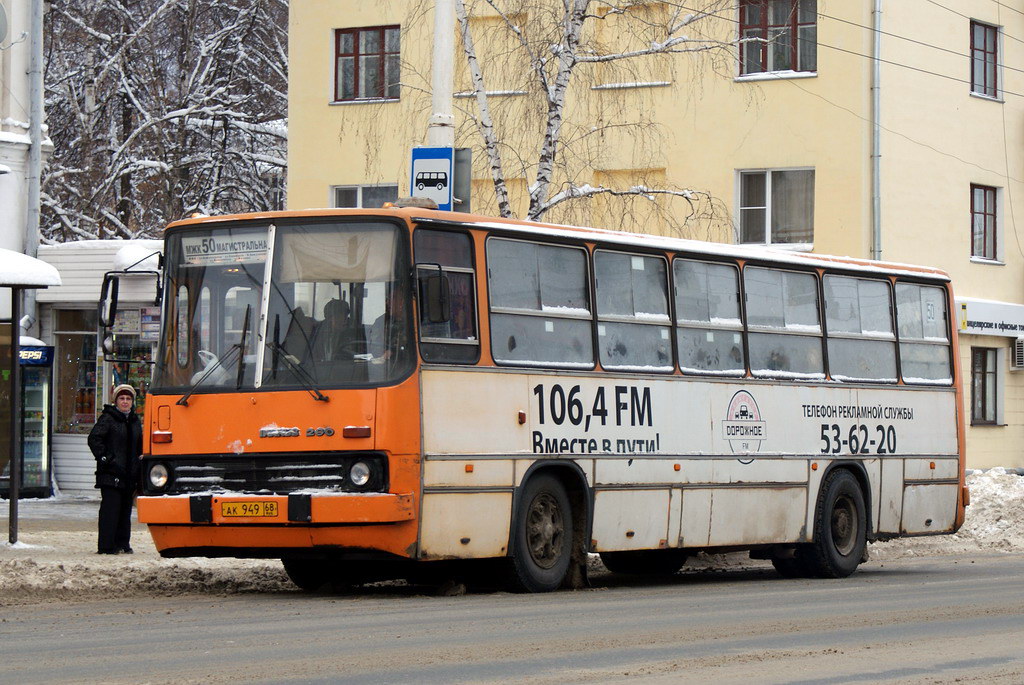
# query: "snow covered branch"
{"points": [[161, 107]]}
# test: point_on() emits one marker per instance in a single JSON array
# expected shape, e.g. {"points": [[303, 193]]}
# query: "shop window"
{"points": [[5, 390], [134, 333], [77, 383]]}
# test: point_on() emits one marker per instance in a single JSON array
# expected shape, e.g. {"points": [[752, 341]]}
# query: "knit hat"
{"points": [[121, 390]]}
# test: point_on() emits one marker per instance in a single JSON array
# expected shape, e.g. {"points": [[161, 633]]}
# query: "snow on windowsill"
{"points": [[490, 93], [982, 96], [990, 262], [363, 101], [629, 85], [787, 247], [776, 75]]}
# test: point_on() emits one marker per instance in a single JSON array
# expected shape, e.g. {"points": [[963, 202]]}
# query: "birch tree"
{"points": [[161, 108], [565, 88]]}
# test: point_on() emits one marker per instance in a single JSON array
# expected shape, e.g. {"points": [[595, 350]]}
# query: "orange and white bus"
{"points": [[363, 392]]}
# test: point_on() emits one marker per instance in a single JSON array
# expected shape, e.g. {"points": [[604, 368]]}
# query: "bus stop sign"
{"points": [[432, 175]]}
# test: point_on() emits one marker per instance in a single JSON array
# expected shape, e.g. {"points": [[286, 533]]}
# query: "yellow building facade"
{"points": [[879, 128]]}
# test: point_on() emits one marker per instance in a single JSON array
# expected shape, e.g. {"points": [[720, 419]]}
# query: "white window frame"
{"points": [[738, 194], [332, 199]]}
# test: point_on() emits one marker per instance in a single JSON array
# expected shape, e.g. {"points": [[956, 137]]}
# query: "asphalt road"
{"points": [[940, 619]]}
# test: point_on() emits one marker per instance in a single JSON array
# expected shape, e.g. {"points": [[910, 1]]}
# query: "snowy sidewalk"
{"points": [[55, 560]]}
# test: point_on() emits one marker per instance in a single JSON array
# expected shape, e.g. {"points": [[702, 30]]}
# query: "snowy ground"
{"points": [[55, 560]]}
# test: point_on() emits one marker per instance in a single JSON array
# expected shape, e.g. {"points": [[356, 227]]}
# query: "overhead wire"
{"points": [[1005, 173], [912, 40]]}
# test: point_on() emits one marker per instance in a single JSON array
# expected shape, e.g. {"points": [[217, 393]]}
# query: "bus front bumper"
{"points": [[296, 509]]}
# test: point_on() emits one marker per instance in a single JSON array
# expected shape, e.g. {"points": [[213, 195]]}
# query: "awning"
{"points": [[21, 271]]}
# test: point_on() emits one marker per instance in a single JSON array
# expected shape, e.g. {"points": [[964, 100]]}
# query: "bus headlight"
{"points": [[158, 476], [359, 474]]}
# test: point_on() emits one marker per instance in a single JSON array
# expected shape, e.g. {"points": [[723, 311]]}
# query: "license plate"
{"points": [[257, 509]]}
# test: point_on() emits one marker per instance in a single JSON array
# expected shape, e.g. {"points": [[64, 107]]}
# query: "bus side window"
{"points": [[632, 311], [861, 343], [540, 308], [709, 329], [454, 341], [924, 334], [784, 331]]}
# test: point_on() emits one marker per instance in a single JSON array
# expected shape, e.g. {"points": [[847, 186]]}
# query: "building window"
{"points": [[778, 35], [983, 385], [983, 222], [777, 207], [367, 65], [984, 59], [369, 197]]}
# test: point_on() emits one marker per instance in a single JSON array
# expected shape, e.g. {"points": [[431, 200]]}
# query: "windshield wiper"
{"points": [[241, 346], [300, 373], [195, 386]]}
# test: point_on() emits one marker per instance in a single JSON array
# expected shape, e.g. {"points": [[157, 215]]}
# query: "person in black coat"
{"points": [[116, 442]]}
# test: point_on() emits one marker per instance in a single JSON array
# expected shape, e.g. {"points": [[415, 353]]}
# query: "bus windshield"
{"points": [[336, 310]]}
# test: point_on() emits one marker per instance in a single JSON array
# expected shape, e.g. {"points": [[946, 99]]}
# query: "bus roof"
{"points": [[594, 235]]}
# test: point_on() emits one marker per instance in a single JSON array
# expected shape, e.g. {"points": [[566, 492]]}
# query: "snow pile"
{"points": [[994, 522], [27, 580], [138, 255]]}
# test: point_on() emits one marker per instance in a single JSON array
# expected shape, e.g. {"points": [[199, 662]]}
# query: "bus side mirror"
{"points": [[108, 299], [439, 300], [108, 345]]}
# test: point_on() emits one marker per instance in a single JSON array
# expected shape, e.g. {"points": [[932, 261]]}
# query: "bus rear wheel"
{"points": [[653, 562], [542, 539], [840, 523]]}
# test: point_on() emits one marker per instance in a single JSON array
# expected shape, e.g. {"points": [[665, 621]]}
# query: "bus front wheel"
{"points": [[310, 575], [542, 541], [841, 524]]}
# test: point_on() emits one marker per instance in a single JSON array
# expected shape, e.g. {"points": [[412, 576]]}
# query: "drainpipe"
{"points": [[876, 132]]}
